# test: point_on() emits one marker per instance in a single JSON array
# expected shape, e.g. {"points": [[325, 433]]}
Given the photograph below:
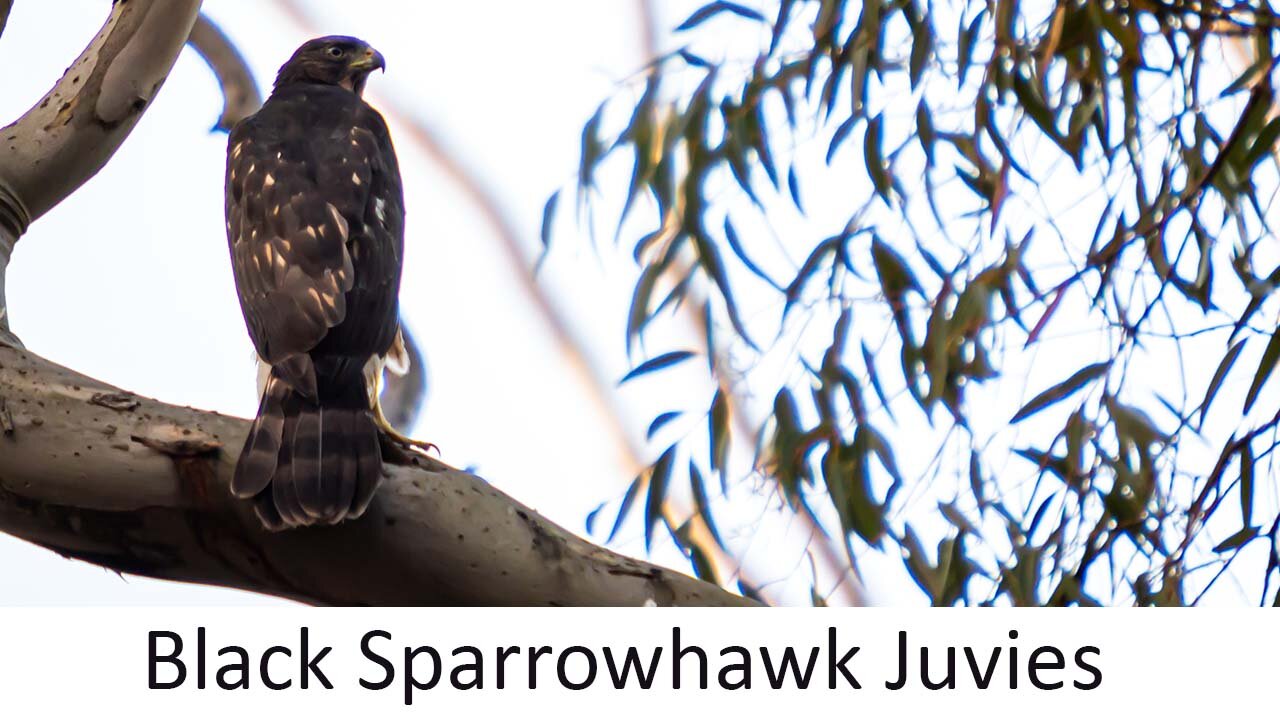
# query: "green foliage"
{"points": [[1026, 173]]}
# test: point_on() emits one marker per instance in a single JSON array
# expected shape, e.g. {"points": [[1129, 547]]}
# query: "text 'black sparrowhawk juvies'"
{"points": [[315, 222]]}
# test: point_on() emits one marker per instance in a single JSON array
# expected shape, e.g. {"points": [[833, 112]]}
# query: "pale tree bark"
{"points": [[71, 133], [141, 487], [138, 486]]}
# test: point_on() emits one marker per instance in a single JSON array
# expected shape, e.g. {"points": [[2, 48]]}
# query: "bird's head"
{"points": [[334, 60]]}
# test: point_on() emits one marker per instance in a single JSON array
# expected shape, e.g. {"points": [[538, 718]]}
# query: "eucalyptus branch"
{"points": [[75, 128], [137, 486], [240, 94]]}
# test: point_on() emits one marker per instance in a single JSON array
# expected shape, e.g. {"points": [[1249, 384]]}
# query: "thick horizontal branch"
{"points": [[141, 487]]}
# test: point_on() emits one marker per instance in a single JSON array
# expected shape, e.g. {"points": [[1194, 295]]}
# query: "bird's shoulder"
{"points": [[296, 116]]}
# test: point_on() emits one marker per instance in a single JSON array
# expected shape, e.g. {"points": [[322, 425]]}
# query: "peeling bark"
{"points": [[137, 486]]}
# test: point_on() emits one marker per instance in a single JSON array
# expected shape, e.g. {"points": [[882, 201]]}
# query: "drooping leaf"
{"points": [[955, 517], [895, 277], [968, 38], [592, 151], [658, 481], [628, 500], [703, 568], [731, 236], [693, 59], [718, 427], [1219, 375], [1264, 144], [1250, 74], [793, 186], [664, 360], [660, 422], [710, 10], [1237, 539], [869, 362], [592, 517], [873, 154], [711, 261], [921, 45], [1062, 390], [702, 504], [976, 481], [806, 273], [839, 136], [1268, 363], [1246, 484], [548, 217], [924, 130], [638, 316]]}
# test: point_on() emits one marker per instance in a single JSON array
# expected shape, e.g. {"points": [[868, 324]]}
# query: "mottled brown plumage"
{"points": [[315, 223]]}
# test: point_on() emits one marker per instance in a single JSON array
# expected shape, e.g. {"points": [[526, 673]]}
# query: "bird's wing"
{"points": [[377, 243], [288, 227]]}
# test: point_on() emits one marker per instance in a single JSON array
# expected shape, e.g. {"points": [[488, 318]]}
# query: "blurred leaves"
{"points": [[846, 202]]}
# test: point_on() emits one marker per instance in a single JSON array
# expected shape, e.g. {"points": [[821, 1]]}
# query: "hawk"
{"points": [[315, 224]]}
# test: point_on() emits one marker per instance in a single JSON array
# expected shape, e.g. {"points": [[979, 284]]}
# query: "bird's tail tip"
{"points": [[309, 462]]}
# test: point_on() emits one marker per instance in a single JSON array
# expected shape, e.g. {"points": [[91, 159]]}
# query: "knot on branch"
{"points": [[14, 220]]}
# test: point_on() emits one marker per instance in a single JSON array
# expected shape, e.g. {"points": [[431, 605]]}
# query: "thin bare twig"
{"points": [[240, 94]]}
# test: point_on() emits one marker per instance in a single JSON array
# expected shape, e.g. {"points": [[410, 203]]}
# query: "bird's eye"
{"points": [[335, 51]]}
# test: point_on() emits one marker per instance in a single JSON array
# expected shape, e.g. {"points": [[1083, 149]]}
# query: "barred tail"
{"points": [[307, 462]]}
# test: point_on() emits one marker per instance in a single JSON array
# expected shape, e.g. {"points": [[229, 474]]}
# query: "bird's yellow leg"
{"points": [[389, 430]]}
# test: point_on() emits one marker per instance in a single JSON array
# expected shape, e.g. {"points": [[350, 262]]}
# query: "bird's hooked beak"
{"points": [[370, 61]]}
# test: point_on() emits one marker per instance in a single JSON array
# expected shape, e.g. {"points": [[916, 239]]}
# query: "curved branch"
{"points": [[141, 487], [240, 94], [71, 133]]}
